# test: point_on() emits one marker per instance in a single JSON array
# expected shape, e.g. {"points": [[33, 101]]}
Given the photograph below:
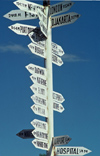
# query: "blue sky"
{"points": [[78, 80]]}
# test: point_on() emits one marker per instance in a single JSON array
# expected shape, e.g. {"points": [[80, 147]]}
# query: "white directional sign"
{"points": [[61, 140], [40, 125], [64, 19], [43, 28], [57, 60], [38, 80], [56, 49], [58, 107], [35, 49], [58, 97], [42, 17], [60, 7], [39, 90], [42, 111], [21, 29], [40, 134], [28, 6], [70, 150], [16, 15], [36, 70], [40, 144], [39, 100]]}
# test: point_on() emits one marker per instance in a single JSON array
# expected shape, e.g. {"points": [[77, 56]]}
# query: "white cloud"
{"points": [[15, 48], [72, 58]]}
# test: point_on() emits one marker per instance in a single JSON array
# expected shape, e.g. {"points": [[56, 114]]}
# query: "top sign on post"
{"points": [[60, 7], [28, 6]]}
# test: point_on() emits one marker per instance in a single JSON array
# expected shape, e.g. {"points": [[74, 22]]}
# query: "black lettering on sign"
{"points": [[56, 9], [67, 5], [39, 51], [54, 58], [61, 20], [41, 81], [39, 71]]}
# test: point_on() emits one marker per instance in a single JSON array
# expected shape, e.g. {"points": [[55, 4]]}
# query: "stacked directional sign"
{"points": [[29, 10]]}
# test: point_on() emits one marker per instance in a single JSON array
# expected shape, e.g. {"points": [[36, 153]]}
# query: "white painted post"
{"points": [[48, 65]]}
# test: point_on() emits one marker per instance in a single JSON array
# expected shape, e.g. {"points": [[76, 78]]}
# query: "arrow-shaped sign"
{"points": [[42, 111], [64, 19], [22, 29], [61, 140], [36, 70], [60, 7], [40, 144], [71, 150], [56, 49], [28, 6], [58, 107], [40, 134], [43, 28], [38, 80], [39, 90], [40, 125], [16, 15], [26, 134]]}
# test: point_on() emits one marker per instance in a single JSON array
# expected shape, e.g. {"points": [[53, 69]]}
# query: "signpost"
{"points": [[64, 19], [61, 140], [40, 134], [21, 29], [46, 100], [60, 7], [40, 144], [37, 70], [38, 80], [40, 125], [26, 134], [17, 15], [42, 111], [70, 150], [28, 6]]}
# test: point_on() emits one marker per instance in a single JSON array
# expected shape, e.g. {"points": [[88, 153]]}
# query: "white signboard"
{"points": [[41, 91], [64, 19], [22, 29], [36, 70], [56, 49], [28, 6], [61, 140], [35, 49], [60, 7], [71, 150], [58, 97], [40, 125], [43, 28], [42, 17], [42, 111], [39, 100], [40, 144], [57, 60], [38, 80], [58, 107], [40, 134], [16, 15]]}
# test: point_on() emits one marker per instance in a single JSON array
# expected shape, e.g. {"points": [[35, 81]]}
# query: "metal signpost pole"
{"points": [[48, 65]]}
